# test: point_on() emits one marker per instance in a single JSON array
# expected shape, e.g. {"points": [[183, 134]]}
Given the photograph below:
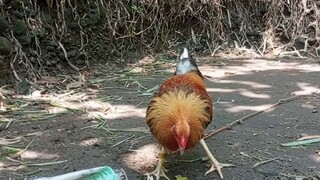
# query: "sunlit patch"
{"points": [[91, 142], [145, 60], [37, 155], [126, 111], [248, 108], [9, 167], [220, 90], [254, 95], [251, 66], [142, 160], [308, 106], [243, 92], [315, 157], [248, 83], [306, 89]]}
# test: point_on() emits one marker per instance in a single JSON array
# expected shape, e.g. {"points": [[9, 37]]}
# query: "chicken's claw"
{"points": [[216, 165], [158, 173], [160, 170]]}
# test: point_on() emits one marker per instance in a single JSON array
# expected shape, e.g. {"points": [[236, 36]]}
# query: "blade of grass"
{"points": [[302, 142]]}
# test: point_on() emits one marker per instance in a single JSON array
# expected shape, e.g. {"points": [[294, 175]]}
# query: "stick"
{"points": [[24, 150], [66, 56], [141, 129], [123, 141], [264, 162], [239, 121]]}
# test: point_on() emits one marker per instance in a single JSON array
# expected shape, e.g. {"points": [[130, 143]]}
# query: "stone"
{"points": [[20, 27], [17, 14], [53, 43], [25, 40], [50, 48], [72, 53], [5, 46], [3, 24]]}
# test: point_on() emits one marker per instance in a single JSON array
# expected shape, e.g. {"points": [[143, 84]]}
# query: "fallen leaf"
{"points": [[179, 177]]}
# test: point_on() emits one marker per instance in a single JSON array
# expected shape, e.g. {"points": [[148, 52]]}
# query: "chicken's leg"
{"points": [[160, 170], [215, 164]]}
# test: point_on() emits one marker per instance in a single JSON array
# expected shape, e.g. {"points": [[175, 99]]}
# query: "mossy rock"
{"points": [[5, 46], [25, 40], [95, 18], [20, 27], [3, 25]]}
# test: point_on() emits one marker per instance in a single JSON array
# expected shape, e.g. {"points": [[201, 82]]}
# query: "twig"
{"points": [[128, 130], [24, 150], [12, 65], [120, 142], [35, 164], [309, 137], [240, 121], [47, 163], [189, 161], [263, 162], [8, 124], [66, 56]]}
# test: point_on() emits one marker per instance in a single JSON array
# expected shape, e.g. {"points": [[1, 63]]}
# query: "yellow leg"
{"points": [[216, 165], [160, 170]]}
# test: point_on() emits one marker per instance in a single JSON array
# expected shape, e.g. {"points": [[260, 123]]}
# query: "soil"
{"points": [[238, 87]]}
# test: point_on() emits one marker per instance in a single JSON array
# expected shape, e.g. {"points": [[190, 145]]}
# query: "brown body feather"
{"points": [[183, 101]]}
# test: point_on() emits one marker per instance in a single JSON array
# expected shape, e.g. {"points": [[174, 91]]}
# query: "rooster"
{"points": [[178, 115]]}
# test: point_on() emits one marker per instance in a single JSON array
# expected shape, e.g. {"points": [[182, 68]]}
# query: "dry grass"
{"points": [[267, 27]]}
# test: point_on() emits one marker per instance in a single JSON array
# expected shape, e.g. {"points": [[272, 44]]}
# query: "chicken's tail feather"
{"points": [[186, 63]]}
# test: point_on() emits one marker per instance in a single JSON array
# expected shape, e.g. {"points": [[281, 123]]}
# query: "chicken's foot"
{"points": [[160, 170], [216, 165]]}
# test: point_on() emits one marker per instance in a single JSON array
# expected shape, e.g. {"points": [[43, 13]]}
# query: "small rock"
{"points": [[73, 25], [50, 48], [93, 4], [16, 4], [3, 25], [20, 27], [17, 14], [47, 18], [95, 18], [5, 46], [72, 53], [53, 43], [25, 40], [271, 126], [23, 87], [314, 111], [61, 55], [32, 59], [30, 12], [40, 32]]}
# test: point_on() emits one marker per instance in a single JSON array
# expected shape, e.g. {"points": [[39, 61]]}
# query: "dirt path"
{"points": [[107, 127]]}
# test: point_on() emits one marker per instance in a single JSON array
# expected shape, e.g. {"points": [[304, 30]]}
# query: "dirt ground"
{"points": [[107, 127]]}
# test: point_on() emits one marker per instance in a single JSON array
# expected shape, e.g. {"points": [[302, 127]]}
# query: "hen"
{"points": [[178, 115]]}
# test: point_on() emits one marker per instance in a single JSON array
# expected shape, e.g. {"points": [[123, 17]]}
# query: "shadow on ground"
{"points": [[112, 132]]}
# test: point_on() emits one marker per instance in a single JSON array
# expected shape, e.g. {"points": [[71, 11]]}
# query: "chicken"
{"points": [[178, 115]]}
